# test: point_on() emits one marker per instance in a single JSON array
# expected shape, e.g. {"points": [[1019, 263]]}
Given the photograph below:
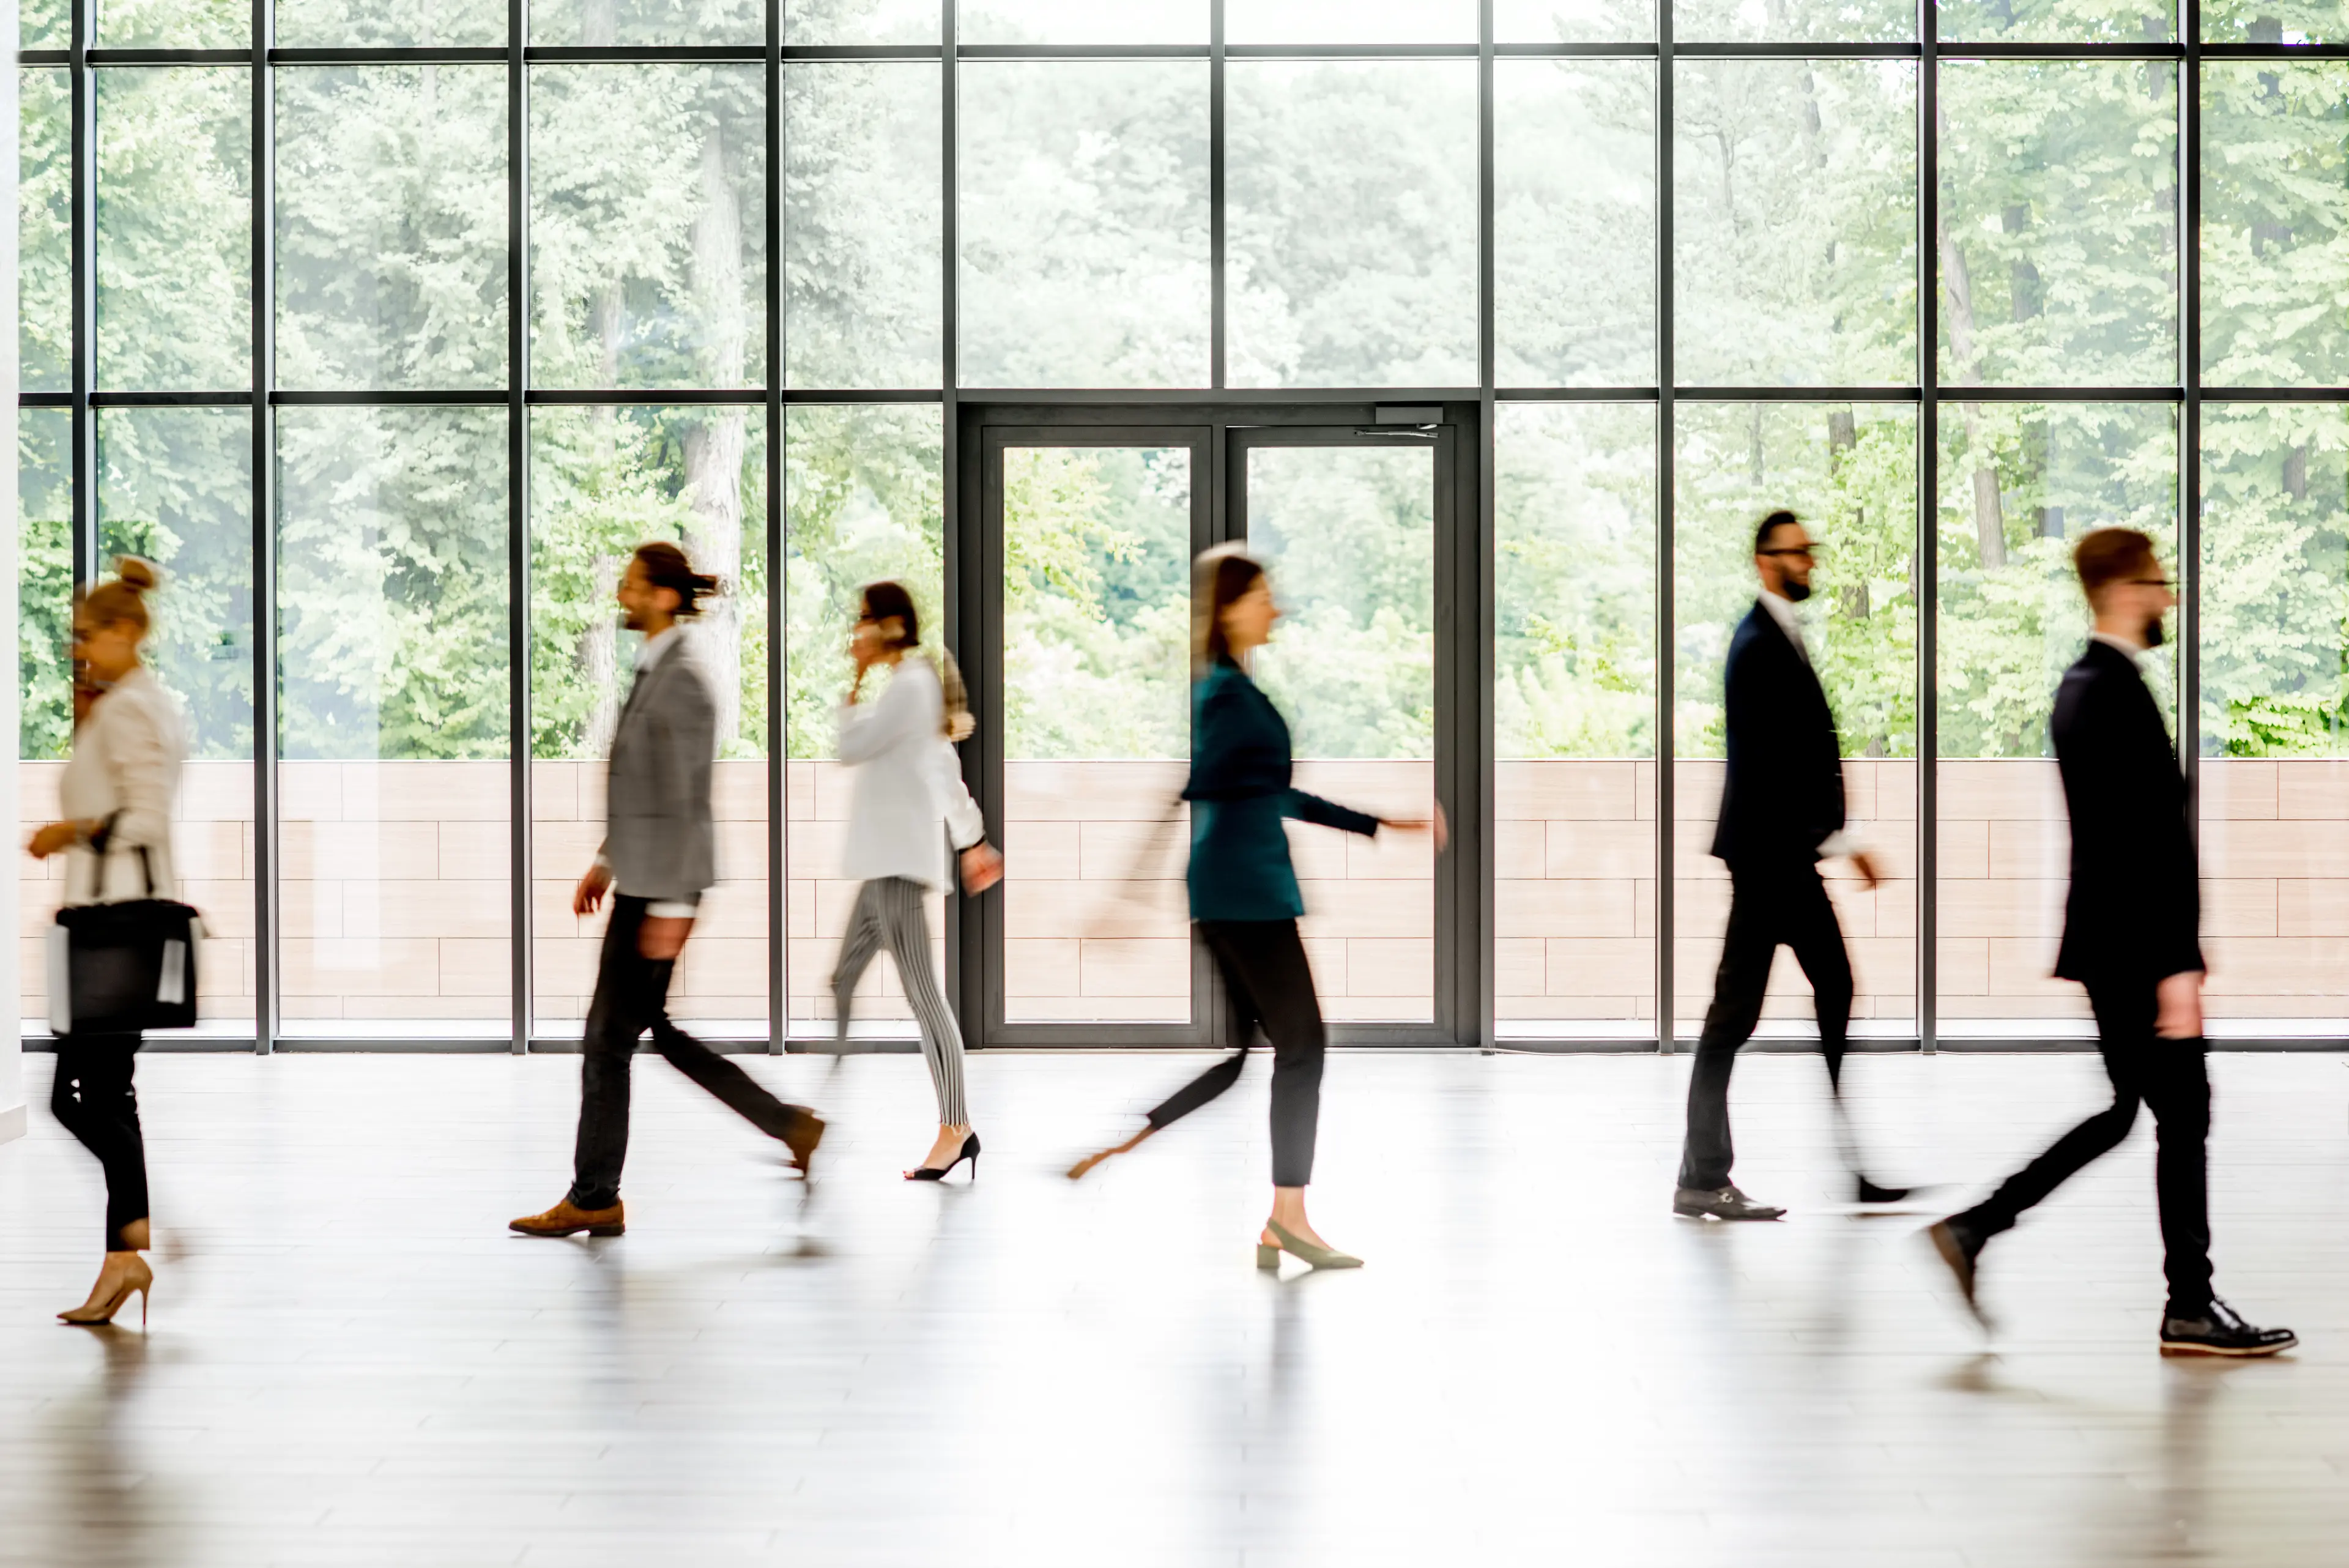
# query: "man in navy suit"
{"points": [[1782, 812], [2132, 939]]}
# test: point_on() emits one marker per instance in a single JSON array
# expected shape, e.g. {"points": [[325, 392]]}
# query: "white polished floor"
{"points": [[350, 1362]]}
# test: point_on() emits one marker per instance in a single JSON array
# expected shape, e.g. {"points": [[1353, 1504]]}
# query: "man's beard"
{"points": [[1796, 592], [2152, 634]]}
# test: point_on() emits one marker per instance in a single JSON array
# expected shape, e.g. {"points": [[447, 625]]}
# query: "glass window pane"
{"points": [[2269, 21], [2275, 709], [1081, 22], [44, 23], [1574, 223], [1084, 224], [1573, 21], [603, 480], [814, 22], [2019, 484], [391, 226], [175, 485], [862, 489], [1794, 222], [1348, 535], [174, 228], [392, 684], [174, 24], [604, 23], [2273, 166], [44, 677], [1573, 785], [391, 24], [1351, 22], [862, 225], [44, 233], [2058, 20], [1352, 223], [2059, 223], [1805, 21], [648, 226], [1097, 731], [1850, 472]]}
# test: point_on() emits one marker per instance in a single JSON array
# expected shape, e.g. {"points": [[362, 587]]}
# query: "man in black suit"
{"points": [[2132, 937], [1782, 812]]}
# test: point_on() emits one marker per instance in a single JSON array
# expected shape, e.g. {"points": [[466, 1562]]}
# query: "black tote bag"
{"points": [[119, 968]]}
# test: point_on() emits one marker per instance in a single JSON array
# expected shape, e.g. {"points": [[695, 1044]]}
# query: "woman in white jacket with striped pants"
{"points": [[906, 798]]}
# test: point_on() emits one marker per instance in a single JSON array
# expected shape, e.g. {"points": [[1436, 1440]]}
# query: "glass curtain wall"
{"points": [[387, 328]]}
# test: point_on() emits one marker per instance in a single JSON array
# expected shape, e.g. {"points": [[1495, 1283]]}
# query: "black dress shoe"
{"points": [[1868, 1192], [1959, 1248], [1723, 1202], [2217, 1329]]}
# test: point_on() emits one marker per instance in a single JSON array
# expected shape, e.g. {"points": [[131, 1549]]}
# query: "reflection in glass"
{"points": [[43, 674], [1849, 471], [819, 22], [2020, 482], [392, 687], [2273, 166], [604, 23], [1573, 21], [391, 226], [173, 25], [861, 224], [1349, 536], [862, 493], [1574, 600], [391, 24], [1793, 222], [2072, 165], [1574, 223], [1802, 21], [174, 228], [2273, 21], [649, 230], [603, 480], [1096, 725], [2058, 20], [1352, 223], [175, 485], [1351, 22], [1084, 224], [1081, 22], [44, 231]]}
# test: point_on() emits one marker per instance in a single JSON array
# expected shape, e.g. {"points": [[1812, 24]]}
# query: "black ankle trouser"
{"points": [[1270, 986], [94, 1099]]}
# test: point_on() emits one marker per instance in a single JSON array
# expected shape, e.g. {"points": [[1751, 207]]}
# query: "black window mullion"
{"points": [[266, 860], [518, 516], [2189, 415], [1926, 574], [779, 656], [84, 239], [1471, 876], [1664, 520]]}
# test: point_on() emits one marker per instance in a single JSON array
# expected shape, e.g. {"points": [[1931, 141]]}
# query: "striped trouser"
{"points": [[889, 910]]}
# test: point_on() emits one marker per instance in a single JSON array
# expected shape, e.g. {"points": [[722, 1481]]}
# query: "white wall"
{"points": [[12, 1062]]}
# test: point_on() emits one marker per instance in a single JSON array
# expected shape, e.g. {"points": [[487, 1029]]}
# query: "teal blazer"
{"points": [[1239, 797]]}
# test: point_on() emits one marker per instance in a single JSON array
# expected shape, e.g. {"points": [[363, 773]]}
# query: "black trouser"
{"points": [[2172, 1079], [1270, 986], [632, 996], [93, 1097], [1768, 905]]}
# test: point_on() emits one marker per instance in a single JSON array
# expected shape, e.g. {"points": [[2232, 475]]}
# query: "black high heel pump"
{"points": [[934, 1173]]}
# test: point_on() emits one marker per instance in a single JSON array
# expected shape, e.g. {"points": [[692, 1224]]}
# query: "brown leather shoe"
{"points": [[567, 1219], [806, 1132]]}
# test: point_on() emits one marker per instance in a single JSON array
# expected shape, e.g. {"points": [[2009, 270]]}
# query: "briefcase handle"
{"points": [[97, 842]]}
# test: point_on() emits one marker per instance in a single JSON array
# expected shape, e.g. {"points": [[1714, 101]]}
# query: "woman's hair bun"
{"points": [[138, 574]]}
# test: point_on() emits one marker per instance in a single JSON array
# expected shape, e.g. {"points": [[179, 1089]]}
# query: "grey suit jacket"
{"points": [[659, 837]]}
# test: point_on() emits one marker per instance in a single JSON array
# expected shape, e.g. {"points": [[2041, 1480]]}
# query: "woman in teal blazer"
{"points": [[1244, 901]]}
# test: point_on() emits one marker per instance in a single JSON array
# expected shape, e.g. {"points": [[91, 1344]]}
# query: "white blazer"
{"points": [[905, 792], [126, 759]]}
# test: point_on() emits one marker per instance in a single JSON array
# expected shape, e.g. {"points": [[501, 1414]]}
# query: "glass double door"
{"points": [[1086, 532]]}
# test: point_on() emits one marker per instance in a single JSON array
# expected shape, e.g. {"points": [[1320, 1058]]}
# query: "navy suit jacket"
{"points": [[1782, 796]]}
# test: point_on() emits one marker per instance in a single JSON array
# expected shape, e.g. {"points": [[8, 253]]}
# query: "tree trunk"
{"points": [[1990, 521], [599, 660], [714, 449]]}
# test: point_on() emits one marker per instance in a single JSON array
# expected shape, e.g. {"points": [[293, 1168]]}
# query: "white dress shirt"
{"points": [[2136, 650], [1845, 840], [125, 765]]}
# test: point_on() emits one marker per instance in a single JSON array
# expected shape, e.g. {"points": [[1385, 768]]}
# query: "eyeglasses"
{"points": [[2162, 583], [1815, 551]]}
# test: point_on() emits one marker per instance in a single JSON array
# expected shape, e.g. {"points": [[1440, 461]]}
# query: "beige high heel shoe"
{"points": [[1303, 1250], [136, 1276]]}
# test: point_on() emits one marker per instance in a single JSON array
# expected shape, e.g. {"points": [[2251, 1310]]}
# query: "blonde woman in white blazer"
{"points": [[116, 795]]}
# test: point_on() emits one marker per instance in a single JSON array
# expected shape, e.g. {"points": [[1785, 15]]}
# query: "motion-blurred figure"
{"points": [[1243, 895], [2132, 937], [659, 856], [906, 799], [1782, 812], [116, 792]]}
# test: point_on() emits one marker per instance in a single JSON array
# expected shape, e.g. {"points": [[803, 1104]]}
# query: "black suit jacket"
{"points": [[1783, 795], [2134, 911]]}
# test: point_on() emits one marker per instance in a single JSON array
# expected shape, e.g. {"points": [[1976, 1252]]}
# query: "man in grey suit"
{"points": [[659, 856]]}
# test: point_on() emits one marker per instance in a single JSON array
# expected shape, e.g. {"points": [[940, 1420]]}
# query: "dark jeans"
{"points": [[2171, 1078], [632, 996], [1768, 906], [1270, 986], [94, 1099]]}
